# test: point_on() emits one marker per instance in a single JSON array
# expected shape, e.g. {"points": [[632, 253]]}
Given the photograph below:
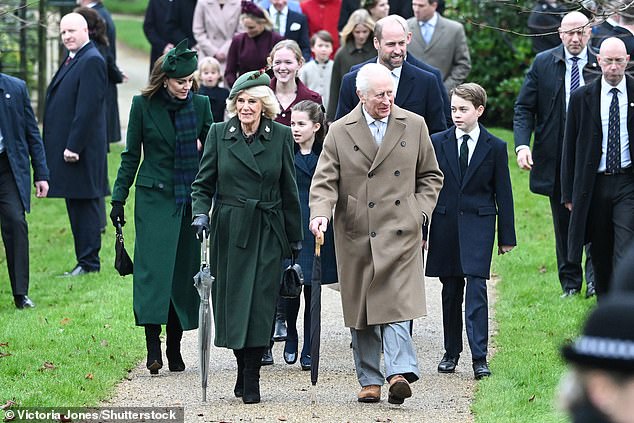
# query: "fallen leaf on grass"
{"points": [[2, 355], [47, 365], [104, 343], [4, 344], [532, 398], [542, 269], [64, 321], [281, 418], [7, 404], [89, 376]]}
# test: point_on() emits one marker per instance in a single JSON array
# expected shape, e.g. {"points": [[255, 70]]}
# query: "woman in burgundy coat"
{"points": [[248, 50]]}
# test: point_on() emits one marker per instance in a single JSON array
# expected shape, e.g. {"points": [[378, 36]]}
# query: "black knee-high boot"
{"points": [[238, 390], [153, 345], [173, 341], [252, 364]]}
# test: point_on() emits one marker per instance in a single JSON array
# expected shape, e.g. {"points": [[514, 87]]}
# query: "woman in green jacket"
{"points": [[248, 171], [166, 126]]}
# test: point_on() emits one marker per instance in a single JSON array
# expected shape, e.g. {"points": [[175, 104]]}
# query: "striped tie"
{"points": [[574, 74], [613, 154]]}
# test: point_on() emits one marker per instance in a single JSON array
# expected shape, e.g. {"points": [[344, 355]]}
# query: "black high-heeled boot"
{"points": [[252, 364], [238, 389], [174, 335], [153, 345]]}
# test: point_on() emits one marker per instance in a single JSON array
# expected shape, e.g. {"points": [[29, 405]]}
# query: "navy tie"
{"points": [[613, 154], [574, 74], [464, 156]]}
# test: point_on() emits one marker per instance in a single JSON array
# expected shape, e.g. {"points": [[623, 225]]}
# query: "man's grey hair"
{"points": [[378, 28], [368, 74]]}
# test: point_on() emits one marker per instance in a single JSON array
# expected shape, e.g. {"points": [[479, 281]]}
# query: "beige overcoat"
{"points": [[214, 27], [381, 196]]}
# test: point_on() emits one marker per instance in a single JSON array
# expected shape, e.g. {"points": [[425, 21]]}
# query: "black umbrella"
{"points": [[315, 311], [203, 281]]}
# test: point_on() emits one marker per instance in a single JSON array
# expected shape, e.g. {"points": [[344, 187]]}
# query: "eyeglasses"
{"points": [[614, 60]]}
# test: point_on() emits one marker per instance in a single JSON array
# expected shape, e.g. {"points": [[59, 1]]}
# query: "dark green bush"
{"points": [[499, 56]]}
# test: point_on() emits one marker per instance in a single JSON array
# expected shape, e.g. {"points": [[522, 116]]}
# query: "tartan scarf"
{"points": [[186, 158]]}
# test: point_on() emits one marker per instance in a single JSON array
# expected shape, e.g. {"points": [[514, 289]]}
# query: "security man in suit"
{"points": [[20, 143], [75, 139], [541, 107], [291, 25], [596, 173]]}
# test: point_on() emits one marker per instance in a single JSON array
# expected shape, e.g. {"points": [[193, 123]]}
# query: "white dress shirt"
{"points": [[606, 99], [382, 123], [581, 63], [283, 16], [474, 134]]}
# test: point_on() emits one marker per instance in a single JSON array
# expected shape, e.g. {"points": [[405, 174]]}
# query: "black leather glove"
{"points": [[296, 247], [201, 226], [116, 214]]}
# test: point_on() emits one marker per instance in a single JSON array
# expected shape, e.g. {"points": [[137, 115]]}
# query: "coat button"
{"points": [[355, 148], [372, 234], [161, 185], [399, 232], [283, 114], [397, 202], [397, 173], [371, 204], [403, 143], [371, 175]]}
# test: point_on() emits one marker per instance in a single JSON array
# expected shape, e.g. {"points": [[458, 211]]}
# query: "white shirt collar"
{"points": [[273, 11], [605, 87], [474, 134], [582, 55]]}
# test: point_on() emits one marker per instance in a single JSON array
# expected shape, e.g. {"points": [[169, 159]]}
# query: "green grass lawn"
{"points": [[130, 32], [126, 7], [80, 339], [532, 320]]}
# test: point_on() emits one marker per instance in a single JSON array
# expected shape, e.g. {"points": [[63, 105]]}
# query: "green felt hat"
{"points": [[180, 61], [248, 80]]}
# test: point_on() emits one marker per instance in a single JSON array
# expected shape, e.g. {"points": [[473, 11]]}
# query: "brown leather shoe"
{"points": [[399, 390], [370, 393]]}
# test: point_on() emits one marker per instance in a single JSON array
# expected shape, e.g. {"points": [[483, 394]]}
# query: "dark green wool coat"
{"points": [[256, 214], [166, 251]]}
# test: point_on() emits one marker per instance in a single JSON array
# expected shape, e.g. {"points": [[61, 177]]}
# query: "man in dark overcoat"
{"points": [[416, 90], [541, 108], [20, 142], [596, 173], [75, 139]]}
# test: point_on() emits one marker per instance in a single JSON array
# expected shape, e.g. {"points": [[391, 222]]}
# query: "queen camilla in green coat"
{"points": [[166, 126], [248, 172]]}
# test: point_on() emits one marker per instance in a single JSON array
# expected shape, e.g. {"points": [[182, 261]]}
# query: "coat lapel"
{"points": [[238, 147], [393, 134], [593, 103], [439, 33], [450, 148], [630, 112], [162, 121], [482, 148], [406, 84], [302, 167], [64, 68], [360, 134]]}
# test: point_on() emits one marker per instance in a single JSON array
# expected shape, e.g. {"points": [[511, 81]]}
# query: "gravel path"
{"points": [[286, 391]]}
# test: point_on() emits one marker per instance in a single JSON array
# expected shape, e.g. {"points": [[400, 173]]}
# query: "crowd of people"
{"points": [[261, 119]]}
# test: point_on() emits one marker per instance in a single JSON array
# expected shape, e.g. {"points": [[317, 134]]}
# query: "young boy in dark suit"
{"points": [[477, 187]]}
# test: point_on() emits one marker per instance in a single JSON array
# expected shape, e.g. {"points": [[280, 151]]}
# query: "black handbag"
{"points": [[122, 261], [292, 281]]}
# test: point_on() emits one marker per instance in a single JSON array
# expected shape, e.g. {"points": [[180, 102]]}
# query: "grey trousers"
{"points": [[399, 354]]}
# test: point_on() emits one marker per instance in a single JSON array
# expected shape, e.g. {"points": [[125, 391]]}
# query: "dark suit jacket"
{"points": [[156, 28], [463, 224], [540, 107], [417, 92], [110, 28], [581, 156], [21, 137], [75, 118], [297, 30], [180, 20]]}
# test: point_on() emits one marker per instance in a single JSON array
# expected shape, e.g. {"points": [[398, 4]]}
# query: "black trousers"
{"points": [[610, 225], [570, 274], [476, 315], [14, 229], [85, 222]]}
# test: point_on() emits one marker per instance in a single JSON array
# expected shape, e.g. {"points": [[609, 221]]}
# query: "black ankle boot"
{"points": [[238, 390], [252, 364], [153, 345], [174, 335]]}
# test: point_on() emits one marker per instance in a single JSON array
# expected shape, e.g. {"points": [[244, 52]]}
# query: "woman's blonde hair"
{"points": [[270, 105], [266, 20], [290, 45], [358, 17], [158, 78], [205, 62]]}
